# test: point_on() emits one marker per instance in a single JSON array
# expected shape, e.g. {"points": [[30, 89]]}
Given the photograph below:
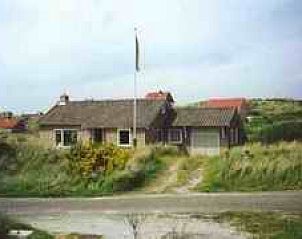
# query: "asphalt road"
{"points": [[287, 201]]}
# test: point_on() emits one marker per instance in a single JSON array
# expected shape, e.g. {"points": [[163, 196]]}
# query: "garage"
{"points": [[205, 141]]}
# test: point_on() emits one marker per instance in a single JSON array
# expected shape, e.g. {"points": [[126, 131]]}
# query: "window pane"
{"points": [[70, 137], [124, 137], [159, 135], [175, 135], [58, 137], [97, 135]]}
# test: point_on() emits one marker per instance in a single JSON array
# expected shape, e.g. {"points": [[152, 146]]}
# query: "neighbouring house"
{"points": [[240, 104], [159, 95], [31, 121], [197, 130], [9, 123]]}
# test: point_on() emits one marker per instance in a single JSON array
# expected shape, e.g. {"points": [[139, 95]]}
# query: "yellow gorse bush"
{"points": [[88, 159]]}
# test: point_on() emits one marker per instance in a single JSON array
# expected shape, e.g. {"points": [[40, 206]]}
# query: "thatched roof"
{"points": [[105, 113]]}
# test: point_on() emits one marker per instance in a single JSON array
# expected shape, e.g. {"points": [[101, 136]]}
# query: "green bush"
{"points": [[281, 131]]}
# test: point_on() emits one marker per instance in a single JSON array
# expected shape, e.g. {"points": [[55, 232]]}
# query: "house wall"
{"points": [[110, 136], [47, 135]]}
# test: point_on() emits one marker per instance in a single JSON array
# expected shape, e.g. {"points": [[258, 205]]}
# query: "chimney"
{"points": [[64, 99]]}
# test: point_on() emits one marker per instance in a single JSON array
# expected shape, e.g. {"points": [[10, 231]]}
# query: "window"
{"points": [[65, 137], [124, 137], [175, 136], [97, 135], [58, 137], [159, 135]]}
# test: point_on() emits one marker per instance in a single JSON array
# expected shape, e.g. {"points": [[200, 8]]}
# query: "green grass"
{"points": [[262, 225], [254, 168]]}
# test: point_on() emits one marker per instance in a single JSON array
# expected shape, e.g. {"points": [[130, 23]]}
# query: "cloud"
{"points": [[196, 48]]}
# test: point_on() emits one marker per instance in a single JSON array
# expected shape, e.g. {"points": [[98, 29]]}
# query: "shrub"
{"points": [[88, 159], [282, 131]]}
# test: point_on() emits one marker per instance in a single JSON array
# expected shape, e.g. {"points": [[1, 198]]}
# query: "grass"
{"points": [[254, 168], [263, 225]]}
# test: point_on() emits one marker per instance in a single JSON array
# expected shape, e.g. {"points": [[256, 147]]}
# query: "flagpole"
{"points": [[135, 93]]}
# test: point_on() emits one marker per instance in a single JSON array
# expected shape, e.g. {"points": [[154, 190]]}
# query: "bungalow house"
{"points": [[197, 130]]}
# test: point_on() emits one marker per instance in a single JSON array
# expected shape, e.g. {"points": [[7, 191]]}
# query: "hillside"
{"points": [[271, 120]]}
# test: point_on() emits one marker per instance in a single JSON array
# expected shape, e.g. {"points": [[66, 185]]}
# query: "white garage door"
{"points": [[205, 142]]}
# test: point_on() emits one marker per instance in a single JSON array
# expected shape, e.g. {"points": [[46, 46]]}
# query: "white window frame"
{"points": [[130, 138], [172, 141], [61, 145]]}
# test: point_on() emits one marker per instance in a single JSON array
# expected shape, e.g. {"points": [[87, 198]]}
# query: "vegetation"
{"points": [[85, 170], [274, 120], [7, 224], [254, 168], [264, 225]]}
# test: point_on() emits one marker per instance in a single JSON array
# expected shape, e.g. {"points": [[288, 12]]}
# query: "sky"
{"points": [[196, 49]]}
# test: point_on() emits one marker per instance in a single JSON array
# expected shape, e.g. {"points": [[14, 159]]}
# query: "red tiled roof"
{"points": [[10, 123], [160, 95], [157, 95], [226, 103]]}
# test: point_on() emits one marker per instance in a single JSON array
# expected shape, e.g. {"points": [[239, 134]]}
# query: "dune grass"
{"points": [[35, 171], [264, 225], [254, 168]]}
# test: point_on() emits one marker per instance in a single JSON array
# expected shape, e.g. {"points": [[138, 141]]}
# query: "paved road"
{"points": [[166, 203]]}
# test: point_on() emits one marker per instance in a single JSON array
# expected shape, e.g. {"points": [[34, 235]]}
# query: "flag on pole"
{"points": [[137, 67]]}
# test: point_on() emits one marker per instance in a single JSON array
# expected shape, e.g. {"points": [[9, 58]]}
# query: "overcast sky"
{"points": [[194, 48]]}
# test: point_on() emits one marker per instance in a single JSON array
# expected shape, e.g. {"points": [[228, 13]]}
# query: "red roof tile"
{"points": [[9, 123], [226, 103], [160, 95]]}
